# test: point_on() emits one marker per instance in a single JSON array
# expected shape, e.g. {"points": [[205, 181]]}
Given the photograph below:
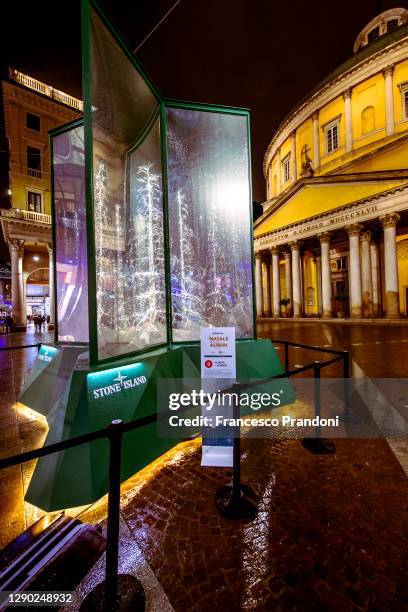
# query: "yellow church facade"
{"points": [[333, 237]]}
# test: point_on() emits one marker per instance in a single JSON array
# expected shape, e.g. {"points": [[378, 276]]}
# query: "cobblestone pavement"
{"points": [[331, 533]]}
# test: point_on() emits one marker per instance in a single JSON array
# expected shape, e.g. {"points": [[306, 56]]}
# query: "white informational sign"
{"points": [[218, 358], [218, 362]]}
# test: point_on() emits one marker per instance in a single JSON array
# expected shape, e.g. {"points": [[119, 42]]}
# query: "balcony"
{"points": [[26, 215], [34, 172], [45, 90]]}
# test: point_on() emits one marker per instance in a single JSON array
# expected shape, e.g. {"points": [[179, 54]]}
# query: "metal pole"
{"points": [[316, 370], [346, 382], [286, 356], [112, 544], [236, 465]]}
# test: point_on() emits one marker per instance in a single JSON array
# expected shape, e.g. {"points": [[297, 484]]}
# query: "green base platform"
{"points": [[76, 401]]}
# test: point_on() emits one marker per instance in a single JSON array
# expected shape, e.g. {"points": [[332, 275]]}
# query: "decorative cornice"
{"points": [[352, 76], [337, 218]]}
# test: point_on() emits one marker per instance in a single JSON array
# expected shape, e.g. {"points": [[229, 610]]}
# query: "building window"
{"points": [[374, 34], [286, 168], [34, 201], [332, 136], [392, 24], [368, 120], [404, 100], [33, 162], [33, 122]]}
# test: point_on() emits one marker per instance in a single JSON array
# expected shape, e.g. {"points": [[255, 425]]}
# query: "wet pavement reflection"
{"points": [[331, 532]]}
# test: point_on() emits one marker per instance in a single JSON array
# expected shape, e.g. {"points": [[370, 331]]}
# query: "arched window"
{"points": [[368, 120]]}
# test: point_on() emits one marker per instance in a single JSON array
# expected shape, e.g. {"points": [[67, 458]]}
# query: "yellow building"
{"points": [[333, 237], [30, 109]]}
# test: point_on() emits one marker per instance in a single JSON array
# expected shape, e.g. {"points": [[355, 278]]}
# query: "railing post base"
{"points": [[244, 506], [131, 596], [319, 446]]}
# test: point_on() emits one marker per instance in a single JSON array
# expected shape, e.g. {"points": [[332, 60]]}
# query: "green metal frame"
{"points": [[86, 6]]}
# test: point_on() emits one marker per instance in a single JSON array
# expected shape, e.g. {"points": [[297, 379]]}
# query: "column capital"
{"points": [[16, 246], [347, 93], [315, 116], [49, 248], [295, 245], [354, 229], [265, 256], [389, 220], [258, 255], [274, 250], [324, 237], [388, 70], [286, 255], [365, 236]]}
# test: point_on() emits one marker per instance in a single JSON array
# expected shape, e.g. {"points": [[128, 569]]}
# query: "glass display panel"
{"points": [[70, 232], [209, 222], [128, 207]]}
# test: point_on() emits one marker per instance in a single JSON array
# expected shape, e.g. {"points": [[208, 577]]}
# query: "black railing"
{"points": [[116, 429], [20, 346]]}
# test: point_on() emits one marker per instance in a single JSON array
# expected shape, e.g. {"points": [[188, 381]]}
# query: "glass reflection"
{"points": [[128, 215], [210, 224], [70, 229]]}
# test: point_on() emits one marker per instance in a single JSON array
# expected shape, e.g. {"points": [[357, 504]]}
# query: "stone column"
{"points": [[389, 100], [288, 281], [375, 277], [326, 276], [278, 171], [316, 143], [296, 278], [355, 271], [51, 286], [266, 285], [275, 282], [319, 285], [258, 285], [389, 223], [293, 156], [16, 253], [347, 120], [366, 278]]}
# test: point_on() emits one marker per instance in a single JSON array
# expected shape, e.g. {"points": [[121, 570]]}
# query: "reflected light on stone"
{"points": [[255, 556]]}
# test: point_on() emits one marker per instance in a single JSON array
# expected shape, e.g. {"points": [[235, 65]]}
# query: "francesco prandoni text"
{"points": [[221, 421]]}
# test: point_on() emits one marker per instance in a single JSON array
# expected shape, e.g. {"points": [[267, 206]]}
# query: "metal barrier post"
{"points": [[123, 590], [318, 444], [112, 544], [286, 356], [346, 383], [236, 500]]}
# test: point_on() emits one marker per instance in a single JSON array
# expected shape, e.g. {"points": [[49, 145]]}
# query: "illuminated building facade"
{"points": [[30, 109], [333, 237]]}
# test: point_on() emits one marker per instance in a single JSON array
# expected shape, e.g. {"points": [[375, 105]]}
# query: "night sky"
{"points": [[261, 54]]}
